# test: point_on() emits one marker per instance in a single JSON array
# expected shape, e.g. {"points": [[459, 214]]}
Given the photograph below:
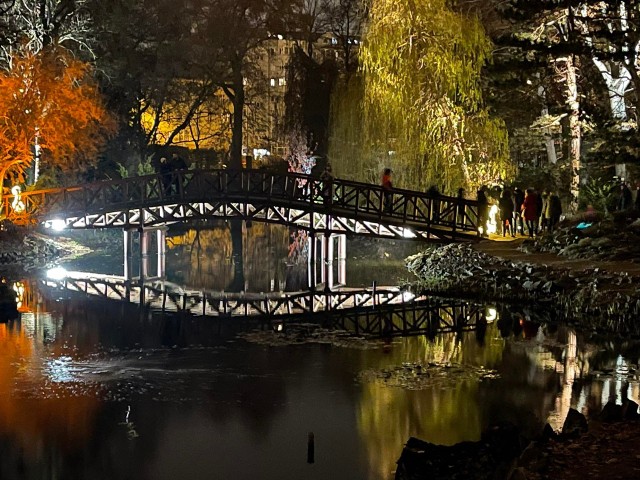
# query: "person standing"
{"points": [[327, 185], [554, 210], [518, 200], [434, 195], [177, 165], [164, 169], [530, 211], [387, 190], [624, 201], [542, 213], [506, 213], [483, 212]]}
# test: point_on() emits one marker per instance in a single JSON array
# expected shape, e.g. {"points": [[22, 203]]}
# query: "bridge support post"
{"points": [[342, 259], [144, 253], [161, 239], [128, 244], [312, 278]]}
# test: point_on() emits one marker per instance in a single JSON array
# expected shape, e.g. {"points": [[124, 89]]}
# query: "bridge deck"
{"points": [[338, 206]]}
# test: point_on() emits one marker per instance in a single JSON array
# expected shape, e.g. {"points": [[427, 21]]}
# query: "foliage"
{"points": [[422, 101], [600, 194], [50, 96]]}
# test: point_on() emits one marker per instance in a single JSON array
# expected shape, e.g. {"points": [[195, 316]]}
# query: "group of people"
{"points": [[166, 168], [537, 211]]}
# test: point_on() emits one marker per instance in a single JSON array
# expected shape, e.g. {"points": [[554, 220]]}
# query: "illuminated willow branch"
{"points": [[421, 100]]}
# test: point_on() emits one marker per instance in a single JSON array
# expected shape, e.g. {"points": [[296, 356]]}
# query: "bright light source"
{"points": [[407, 233], [57, 224], [492, 314], [57, 273], [492, 223]]}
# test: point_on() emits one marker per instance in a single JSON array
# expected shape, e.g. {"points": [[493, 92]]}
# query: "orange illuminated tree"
{"points": [[49, 99]]}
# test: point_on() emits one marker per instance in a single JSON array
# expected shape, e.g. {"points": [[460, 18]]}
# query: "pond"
{"points": [[92, 388]]}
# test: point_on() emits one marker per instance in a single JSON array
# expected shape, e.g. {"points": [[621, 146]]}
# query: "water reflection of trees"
{"points": [[206, 258], [388, 417]]}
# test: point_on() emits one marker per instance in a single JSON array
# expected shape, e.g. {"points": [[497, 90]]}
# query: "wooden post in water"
{"points": [[311, 454]]}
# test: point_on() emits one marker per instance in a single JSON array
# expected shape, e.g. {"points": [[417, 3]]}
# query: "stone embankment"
{"points": [[605, 300], [603, 448], [25, 250]]}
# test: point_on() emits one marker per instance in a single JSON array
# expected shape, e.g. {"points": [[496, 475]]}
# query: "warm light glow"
{"points": [[492, 315], [492, 224], [17, 205]]}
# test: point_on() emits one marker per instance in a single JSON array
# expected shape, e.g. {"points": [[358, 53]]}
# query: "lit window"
{"points": [[273, 82], [282, 81]]}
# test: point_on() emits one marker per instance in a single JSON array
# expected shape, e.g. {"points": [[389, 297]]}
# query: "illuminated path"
{"points": [[383, 311], [301, 201]]}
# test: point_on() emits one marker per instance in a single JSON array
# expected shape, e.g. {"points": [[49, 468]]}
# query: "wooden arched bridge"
{"points": [[332, 207]]}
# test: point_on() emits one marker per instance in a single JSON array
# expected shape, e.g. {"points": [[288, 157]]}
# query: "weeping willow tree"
{"points": [[416, 105]]}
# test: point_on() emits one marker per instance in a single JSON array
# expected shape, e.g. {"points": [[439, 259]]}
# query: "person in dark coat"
{"points": [[506, 213], [624, 200], [530, 210], [434, 195], [387, 190], [177, 165], [518, 200], [483, 212], [164, 169]]}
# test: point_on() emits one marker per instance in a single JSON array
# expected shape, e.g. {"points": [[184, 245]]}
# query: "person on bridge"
{"points": [[177, 164], [387, 190], [483, 212], [327, 185], [434, 195], [164, 169]]}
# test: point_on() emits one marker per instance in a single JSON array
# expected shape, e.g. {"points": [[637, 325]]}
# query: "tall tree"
{"points": [[423, 108], [51, 97]]}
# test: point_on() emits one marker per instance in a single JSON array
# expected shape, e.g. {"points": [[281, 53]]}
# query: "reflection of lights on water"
{"points": [[492, 314], [57, 273], [18, 287], [59, 370], [56, 224]]}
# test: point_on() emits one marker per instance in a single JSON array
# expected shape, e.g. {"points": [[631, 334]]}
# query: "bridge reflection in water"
{"points": [[383, 311]]}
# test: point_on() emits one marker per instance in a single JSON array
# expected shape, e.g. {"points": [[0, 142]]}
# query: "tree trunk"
{"points": [[238, 112], [549, 143], [575, 129], [237, 285], [616, 87]]}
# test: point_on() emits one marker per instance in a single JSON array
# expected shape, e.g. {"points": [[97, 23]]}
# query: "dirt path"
{"points": [[509, 249]]}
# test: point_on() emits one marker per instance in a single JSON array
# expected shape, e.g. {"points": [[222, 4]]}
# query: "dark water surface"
{"points": [[92, 389]]}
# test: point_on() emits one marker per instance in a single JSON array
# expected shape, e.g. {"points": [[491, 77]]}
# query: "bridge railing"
{"points": [[360, 200]]}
